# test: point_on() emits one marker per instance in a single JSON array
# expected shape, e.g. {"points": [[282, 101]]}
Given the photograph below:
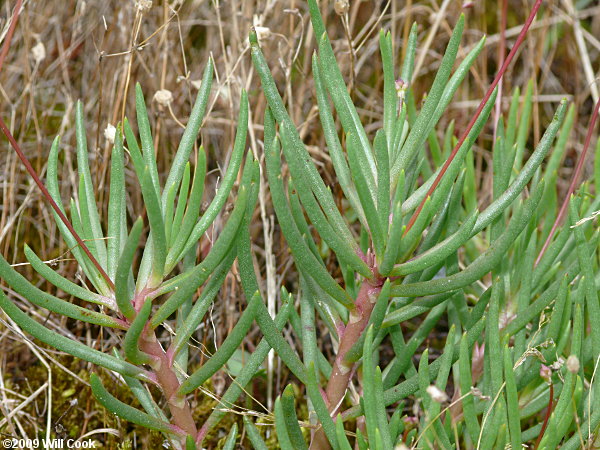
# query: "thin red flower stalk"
{"points": [[546, 417], [11, 30], [501, 56], [488, 94], [53, 204], [28, 165], [574, 182]]}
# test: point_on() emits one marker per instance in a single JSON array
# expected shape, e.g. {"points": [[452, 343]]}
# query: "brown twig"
{"points": [[488, 94]]}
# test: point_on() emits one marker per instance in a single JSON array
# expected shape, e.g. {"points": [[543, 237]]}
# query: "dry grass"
{"points": [[96, 51]]}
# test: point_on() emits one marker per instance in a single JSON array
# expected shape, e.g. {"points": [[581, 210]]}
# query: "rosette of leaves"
{"points": [[420, 248], [138, 298]]}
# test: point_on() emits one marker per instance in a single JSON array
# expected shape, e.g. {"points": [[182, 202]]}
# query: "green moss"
{"points": [[75, 410]]}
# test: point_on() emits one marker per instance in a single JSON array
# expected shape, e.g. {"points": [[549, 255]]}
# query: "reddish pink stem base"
{"points": [[181, 413], [342, 371]]}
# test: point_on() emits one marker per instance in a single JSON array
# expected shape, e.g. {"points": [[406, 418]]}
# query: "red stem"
{"points": [[342, 370], [574, 181], [53, 204], [488, 94], [501, 56], [11, 30], [547, 418], [181, 413]]}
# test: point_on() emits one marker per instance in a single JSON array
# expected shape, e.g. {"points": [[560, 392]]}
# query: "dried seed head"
{"points": [[437, 395], [163, 97], [262, 33], [475, 392], [573, 364], [556, 365], [38, 52], [109, 133], [143, 5], [341, 7]]}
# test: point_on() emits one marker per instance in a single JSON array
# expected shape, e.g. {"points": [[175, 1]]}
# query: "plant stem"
{"points": [[546, 418], [573, 184], [343, 370], [181, 413], [11, 30]]}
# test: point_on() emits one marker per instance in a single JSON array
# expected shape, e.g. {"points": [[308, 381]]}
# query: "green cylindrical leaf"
{"points": [[127, 412], [291, 420], [231, 437], [486, 262], [254, 435], [304, 258], [498, 206], [177, 252], [420, 129], [64, 284], [187, 284], [157, 228], [116, 203], [280, 426], [191, 131], [338, 159], [181, 205], [132, 337], [40, 298], [124, 268], [193, 204], [70, 346], [97, 246], [148, 155]]}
